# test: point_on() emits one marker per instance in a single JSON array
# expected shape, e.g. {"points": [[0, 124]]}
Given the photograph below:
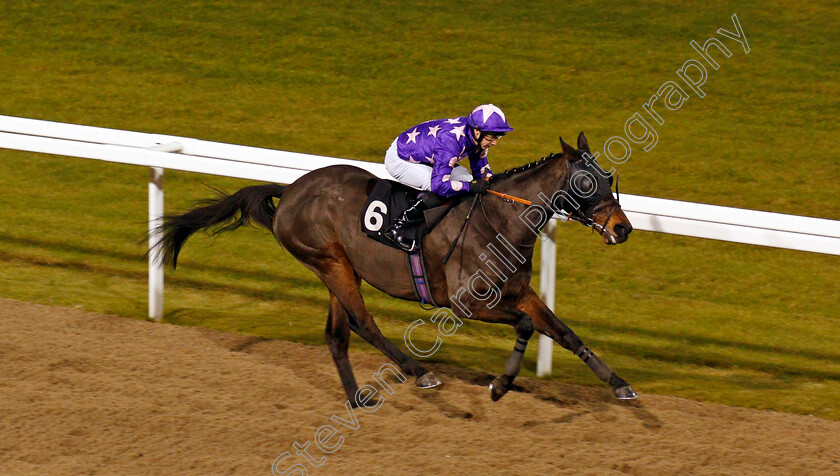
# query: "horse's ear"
{"points": [[583, 144], [568, 151]]}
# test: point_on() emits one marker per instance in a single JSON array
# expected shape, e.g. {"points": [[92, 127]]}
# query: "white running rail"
{"points": [[160, 152]]}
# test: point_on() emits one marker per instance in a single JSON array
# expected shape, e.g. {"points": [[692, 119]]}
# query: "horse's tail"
{"points": [[223, 213]]}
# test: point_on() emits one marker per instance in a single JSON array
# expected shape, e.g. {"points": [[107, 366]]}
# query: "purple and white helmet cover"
{"points": [[488, 118]]}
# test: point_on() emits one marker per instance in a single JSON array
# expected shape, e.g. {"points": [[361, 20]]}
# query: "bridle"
{"points": [[585, 219]]}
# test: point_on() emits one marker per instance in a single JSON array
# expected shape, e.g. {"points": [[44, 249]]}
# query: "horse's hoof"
{"points": [[497, 389], [428, 380], [625, 393]]}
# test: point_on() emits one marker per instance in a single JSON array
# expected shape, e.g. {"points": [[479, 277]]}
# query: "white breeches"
{"points": [[417, 176]]}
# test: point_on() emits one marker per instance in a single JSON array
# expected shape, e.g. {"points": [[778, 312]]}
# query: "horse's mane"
{"points": [[522, 168]]}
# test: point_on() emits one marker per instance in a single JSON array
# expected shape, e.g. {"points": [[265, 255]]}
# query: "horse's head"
{"points": [[589, 197]]}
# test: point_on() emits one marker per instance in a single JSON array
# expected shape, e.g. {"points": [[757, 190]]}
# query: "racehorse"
{"points": [[316, 219]]}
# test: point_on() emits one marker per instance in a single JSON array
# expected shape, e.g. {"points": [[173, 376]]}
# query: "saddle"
{"points": [[387, 201]]}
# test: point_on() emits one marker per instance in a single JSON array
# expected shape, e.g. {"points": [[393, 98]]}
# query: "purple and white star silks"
{"points": [[440, 144], [412, 136], [458, 131]]}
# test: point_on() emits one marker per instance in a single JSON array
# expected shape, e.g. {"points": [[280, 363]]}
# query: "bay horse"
{"points": [[316, 219]]}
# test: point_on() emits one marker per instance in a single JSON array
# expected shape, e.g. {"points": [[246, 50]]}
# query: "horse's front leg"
{"points": [[500, 385], [524, 329], [545, 322]]}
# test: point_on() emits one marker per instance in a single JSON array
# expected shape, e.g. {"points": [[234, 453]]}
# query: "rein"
{"points": [[478, 200], [461, 231], [511, 198], [484, 212], [585, 221]]}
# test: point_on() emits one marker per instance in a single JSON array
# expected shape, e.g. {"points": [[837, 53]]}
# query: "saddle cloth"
{"points": [[386, 202], [384, 205]]}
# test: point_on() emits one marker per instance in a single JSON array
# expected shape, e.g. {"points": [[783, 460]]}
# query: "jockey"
{"points": [[425, 157]]}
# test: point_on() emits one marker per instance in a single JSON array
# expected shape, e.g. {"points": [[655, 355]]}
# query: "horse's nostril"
{"points": [[622, 229]]}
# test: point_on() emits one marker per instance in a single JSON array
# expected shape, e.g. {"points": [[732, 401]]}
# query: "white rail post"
{"points": [[155, 235], [548, 265], [155, 264]]}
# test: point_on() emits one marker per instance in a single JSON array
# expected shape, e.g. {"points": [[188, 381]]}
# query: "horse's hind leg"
{"points": [[547, 323], [338, 337], [338, 275]]}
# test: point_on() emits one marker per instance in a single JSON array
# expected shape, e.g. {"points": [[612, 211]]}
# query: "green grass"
{"points": [[714, 321]]}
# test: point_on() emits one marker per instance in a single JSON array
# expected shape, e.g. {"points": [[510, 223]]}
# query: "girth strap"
{"points": [[419, 277]]}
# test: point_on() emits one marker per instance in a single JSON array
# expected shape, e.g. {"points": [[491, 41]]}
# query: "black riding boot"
{"points": [[412, 216]]}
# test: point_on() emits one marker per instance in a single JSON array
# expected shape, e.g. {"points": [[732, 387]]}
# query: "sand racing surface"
{"points": [[82, 393]]}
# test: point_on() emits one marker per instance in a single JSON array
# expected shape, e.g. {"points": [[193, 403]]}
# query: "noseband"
{"points": [[590, 222]]}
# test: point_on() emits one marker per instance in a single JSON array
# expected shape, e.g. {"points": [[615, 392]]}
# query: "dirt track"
{"points": [[82, 393]]}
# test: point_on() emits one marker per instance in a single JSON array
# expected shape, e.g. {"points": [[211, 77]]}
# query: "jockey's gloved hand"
{"points": [[479, 186]]}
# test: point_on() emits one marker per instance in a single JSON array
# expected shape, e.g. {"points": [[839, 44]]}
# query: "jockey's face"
{"points": [[488, 141]]}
